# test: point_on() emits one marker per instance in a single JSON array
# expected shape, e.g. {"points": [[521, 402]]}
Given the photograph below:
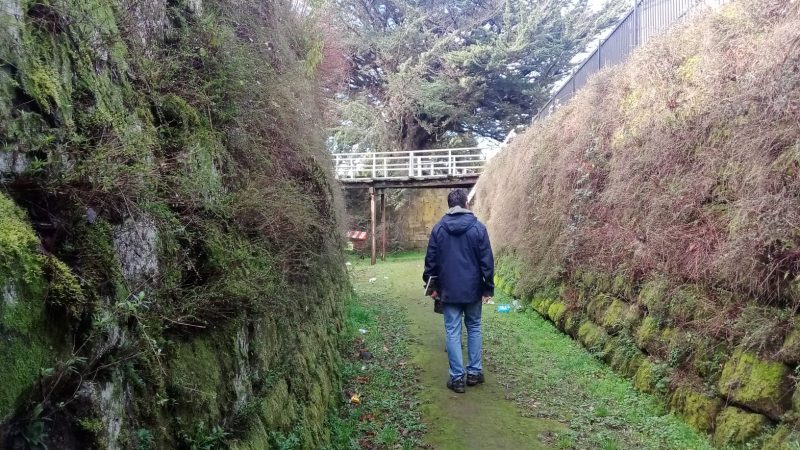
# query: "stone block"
{"points": [[760, 385], [735, 426], [556, 312], [613, 319], [790, 351], [699, 410], [592, 336]]}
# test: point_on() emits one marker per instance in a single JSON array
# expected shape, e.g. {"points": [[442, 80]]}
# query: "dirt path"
{"points": [[480, 419]]}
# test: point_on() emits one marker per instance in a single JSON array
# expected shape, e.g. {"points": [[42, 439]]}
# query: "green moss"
{"points": [[708, 358], [653, 295], [41, 83], [652, 377], [592, 336], [99, 267], [24, 347], [199, 378], [20, 261], [734, 426], [623, 356], [622, 287], [595, 282], [543, 306], [760, 385], [614, 318], [572, 321], [648, 333], [680, 347], [643, 378], [790, 350], [536, 303], [556, 312], [92, 425], [697, 409], [597, 307], [632, 317], [684, 302], [64, 290], [783, 438]]}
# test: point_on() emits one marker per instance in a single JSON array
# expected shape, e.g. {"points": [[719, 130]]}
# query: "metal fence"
{"points": [[645, 20]]}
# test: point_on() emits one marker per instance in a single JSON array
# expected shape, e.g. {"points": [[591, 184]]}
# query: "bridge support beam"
{"points": [[383, 225], [372, 260]]}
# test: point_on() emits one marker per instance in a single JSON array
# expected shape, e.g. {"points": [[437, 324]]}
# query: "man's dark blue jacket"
{"points": [[460, 255]]}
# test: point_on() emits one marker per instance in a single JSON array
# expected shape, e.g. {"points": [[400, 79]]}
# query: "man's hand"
{"points": [[435, 295], [485, 299]]}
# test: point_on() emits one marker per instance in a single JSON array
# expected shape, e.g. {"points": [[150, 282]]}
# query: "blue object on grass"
{"points": [[503, 308]]}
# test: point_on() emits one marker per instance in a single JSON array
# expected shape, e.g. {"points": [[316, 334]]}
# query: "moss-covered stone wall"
{"points": [[651, 217], [722, 386], [171, 272]]}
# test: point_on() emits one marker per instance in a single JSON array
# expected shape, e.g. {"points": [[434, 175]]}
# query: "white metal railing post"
{"points": [[410, 164], [385, 169], [374, 166], [449, 162], [419, 166], [336, 165]]}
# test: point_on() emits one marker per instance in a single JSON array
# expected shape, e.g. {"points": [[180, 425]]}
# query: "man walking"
{"points": [[460, 256]]}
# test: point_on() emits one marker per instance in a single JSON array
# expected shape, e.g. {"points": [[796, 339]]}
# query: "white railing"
{"points": [[415, 164]]}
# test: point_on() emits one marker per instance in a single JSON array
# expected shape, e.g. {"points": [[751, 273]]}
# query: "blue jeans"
{"points": [[452, 328]]}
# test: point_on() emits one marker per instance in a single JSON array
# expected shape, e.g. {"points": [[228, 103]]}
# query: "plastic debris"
{"points": [[362, 330], [504, 308], [515, 304], [355, 399], [348, 263], [372, 280]]}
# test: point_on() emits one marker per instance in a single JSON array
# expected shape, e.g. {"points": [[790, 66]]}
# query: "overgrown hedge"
{"points": [[170, 264], [655, 218]]}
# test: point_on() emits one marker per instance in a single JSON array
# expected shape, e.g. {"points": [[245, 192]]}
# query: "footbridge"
{"points": [[436, 168]]}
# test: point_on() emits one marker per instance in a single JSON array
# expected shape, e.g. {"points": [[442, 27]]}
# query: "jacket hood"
{"points": [[458, 220]]}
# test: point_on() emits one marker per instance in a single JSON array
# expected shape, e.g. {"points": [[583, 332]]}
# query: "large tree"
{"points": [[431, 73]]}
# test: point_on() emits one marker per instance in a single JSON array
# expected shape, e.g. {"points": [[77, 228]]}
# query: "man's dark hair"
{"points": [[457, 197]]}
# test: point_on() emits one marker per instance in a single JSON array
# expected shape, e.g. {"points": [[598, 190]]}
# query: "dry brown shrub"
{"points": [[684, 162]]}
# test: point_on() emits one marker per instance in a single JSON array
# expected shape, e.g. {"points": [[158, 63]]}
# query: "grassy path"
{"points": [[542, 391]]}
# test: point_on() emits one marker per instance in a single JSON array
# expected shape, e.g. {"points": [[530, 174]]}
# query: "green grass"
{"points": [[388, 416], [551, 376], [578, 401]]}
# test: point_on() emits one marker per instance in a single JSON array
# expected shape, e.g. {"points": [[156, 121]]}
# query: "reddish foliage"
{"points": [[683, 163]]}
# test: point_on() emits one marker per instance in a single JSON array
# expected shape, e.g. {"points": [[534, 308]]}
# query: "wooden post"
{"points": [[383, 226], [372, 222]]}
